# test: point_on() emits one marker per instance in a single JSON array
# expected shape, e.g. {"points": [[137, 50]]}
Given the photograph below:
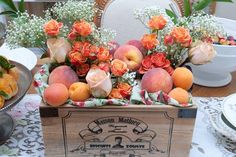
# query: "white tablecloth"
{"points": [[205, 143]]}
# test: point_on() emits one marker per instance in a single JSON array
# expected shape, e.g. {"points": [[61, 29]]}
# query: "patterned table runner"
{"points": [[27, 139]]}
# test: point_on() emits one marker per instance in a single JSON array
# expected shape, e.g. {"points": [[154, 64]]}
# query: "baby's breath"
{"points": [[72, 10], [201, 25], [26, 31]]}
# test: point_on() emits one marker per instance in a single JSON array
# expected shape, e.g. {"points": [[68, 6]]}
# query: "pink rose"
{"points": [[201, 53]]}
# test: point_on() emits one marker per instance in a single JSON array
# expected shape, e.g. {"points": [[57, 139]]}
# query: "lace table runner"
{"points": [[27, 139]]}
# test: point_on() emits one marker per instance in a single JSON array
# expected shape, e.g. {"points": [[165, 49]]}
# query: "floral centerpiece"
{"points": [[82, 69]]}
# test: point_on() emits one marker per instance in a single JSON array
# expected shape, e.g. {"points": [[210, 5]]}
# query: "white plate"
{"points": [[20, 55], [229, 109], [221, 128]]}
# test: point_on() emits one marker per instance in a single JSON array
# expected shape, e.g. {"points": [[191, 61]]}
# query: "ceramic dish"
{"points": [[6, 128], [221, 128], [24, 83], [229, 109]]}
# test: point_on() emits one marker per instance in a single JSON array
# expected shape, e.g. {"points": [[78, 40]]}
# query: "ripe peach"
{"points": [[56, 94], [63, 74], [130, 55], [139, 45], [79, 91], [156, 79]]}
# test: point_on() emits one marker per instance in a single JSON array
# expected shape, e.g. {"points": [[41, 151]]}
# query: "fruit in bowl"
{"points": [[8, 80]]}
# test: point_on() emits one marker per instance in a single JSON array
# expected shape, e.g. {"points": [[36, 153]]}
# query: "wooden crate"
{"points": [[126, 131]]}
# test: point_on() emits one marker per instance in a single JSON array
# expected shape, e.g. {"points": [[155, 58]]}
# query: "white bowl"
{"points": [[217, 72]]}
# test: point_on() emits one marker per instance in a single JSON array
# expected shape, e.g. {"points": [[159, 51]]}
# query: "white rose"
{"points": [[58, 49], [99, 82]]}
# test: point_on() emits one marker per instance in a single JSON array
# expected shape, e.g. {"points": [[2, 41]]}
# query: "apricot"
{"points": [[183, 78], [63, 74], [79, 91], [56, 94], [156, 79], [179, 94]]}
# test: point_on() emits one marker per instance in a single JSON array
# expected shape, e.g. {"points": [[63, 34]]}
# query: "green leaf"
{"points": [[10, 13], [7, 12], [200, 5], [5, 64], [5, 95], [22, 6], [9, 4], [187, 8], [172, 15]]}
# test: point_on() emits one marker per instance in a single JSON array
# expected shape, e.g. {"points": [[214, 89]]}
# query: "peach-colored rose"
{"points": [[103, 54], [124, 88], [149, 41], [157, 22], [52, 27], [99, 82], [83, 28], [201, 53], [118, 67], [58, 48], [181, 35], [76, 58], [115, 94]]}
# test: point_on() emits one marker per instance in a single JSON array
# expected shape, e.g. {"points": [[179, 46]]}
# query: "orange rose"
{"points": [[124, 88], [83, 28], [118, 67], [76, 58], [52, 27], [157, 22], [103, 54], [77, 46], [182, 36], [115, 94], [82, 70], [149, 41], [86, 49]]}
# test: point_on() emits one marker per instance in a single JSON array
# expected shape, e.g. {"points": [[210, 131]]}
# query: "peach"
{"points": [[79, 91], [63, 74], [139, 45], [130, 55], [156, 79], [56, 94]]}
